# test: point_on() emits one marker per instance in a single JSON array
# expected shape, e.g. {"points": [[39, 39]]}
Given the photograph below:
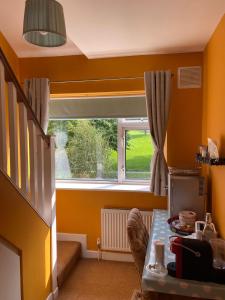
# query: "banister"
{"points": [[10, 77]]}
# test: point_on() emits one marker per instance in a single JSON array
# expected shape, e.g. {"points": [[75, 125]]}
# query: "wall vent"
{"points": [[189, 77]]}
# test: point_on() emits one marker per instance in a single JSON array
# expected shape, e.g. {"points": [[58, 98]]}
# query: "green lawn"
{"points": [[139, 151]]}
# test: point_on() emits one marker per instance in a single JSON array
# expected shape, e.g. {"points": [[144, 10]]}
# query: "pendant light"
{"points": [[44, 23]]}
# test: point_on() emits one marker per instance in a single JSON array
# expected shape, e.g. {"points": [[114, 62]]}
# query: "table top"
{"points": [[160, 231]]}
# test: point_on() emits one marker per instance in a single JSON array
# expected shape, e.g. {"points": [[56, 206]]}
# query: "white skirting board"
{"points": [[105, 255], [73, 237]]}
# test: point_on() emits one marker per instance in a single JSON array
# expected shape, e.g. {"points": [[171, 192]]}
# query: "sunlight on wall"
{"points": [[20, 225], [47, 259]]}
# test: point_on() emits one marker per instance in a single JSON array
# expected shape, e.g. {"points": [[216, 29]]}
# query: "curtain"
{"points": [[157, 91], [38, 94]]}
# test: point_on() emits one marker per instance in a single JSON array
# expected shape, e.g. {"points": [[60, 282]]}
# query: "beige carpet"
{"points": [[68, 253], [104, 280]]}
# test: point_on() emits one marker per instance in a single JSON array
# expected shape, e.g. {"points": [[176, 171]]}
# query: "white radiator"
{"points": [[114, 228]]}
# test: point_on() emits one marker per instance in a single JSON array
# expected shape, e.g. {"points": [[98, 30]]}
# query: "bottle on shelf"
{"points": [[209, 231]]}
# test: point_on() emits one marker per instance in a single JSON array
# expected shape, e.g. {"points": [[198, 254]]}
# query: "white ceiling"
{"points": [[108, 28]]}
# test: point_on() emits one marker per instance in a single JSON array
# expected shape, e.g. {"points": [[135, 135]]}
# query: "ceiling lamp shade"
{"points": [[44, 23]]}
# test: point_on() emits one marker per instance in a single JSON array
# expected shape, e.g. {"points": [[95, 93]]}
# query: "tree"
{"points": [[108, 130], [88, 151], [68, 126], [106, 127], [89, 146]]}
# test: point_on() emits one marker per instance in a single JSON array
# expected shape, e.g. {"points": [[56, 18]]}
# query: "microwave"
{"points": [[187, 193]]}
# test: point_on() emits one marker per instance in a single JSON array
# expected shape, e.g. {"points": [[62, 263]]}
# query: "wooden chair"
{"points": [[138, 239]]}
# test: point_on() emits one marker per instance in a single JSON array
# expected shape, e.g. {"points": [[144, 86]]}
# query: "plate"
{"points": [[176, 227]]}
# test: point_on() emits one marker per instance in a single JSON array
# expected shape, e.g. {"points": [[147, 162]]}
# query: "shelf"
{"points": [[210, 161]]}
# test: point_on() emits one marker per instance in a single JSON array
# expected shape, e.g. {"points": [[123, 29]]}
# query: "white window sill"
{"points": [[103, 186]]}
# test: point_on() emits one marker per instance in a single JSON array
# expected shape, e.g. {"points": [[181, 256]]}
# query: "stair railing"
{"points": [[26, 152]]}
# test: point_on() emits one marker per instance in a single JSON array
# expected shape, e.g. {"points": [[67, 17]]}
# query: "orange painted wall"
{"points": [[214, 118], [184, 132], [21, 226], [79, 211], [10, 55]]}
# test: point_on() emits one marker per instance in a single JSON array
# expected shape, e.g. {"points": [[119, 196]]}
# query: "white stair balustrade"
{"points": [[33, 164], [49, 180], [31, 152], [23, 147], [40, 169], [13, 133], [3, 152]]}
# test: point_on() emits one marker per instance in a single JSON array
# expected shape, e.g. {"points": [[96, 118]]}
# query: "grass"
{"points": [[139, 151], [138, 154]]}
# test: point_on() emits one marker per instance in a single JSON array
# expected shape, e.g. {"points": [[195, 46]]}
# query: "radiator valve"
{"points": [[99, 249], [98, 243]]}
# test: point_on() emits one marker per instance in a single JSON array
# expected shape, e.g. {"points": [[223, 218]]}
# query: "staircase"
{"points": [[26, 153], [68, 253], [27, 160]]}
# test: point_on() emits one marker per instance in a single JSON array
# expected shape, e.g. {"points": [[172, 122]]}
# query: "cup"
{"points": [[159, 254], [187, 218], [199, 226]]}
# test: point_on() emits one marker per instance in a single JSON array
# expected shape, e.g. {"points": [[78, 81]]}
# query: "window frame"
{"points": [[123, 124]]}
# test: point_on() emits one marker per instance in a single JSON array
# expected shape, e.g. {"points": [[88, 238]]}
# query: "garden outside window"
{"points": [[102, 149]]}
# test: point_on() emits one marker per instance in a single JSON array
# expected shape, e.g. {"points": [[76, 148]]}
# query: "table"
{"points": [[169, 285]]}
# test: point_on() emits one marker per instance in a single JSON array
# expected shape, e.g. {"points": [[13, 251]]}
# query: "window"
{"points": [[85, 149], [135, 149], [137, 154], [102, 149]]}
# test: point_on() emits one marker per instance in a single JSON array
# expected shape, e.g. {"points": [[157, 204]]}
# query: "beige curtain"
{"points": [[38, 94], [157, 90]]}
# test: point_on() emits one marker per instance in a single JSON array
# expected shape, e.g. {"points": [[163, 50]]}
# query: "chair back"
{"points": [[138, 238]]}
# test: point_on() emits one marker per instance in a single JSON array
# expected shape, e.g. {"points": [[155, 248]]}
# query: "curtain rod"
{"points": [[100, 79]]}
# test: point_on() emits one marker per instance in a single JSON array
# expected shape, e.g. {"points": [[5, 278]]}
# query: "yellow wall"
{"points": [[214, 117], [79, 211], [10, 55], [20, 225], [184, 132]]}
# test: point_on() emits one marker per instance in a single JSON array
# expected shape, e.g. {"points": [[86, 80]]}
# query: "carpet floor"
{"points": [[104, 280]]}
